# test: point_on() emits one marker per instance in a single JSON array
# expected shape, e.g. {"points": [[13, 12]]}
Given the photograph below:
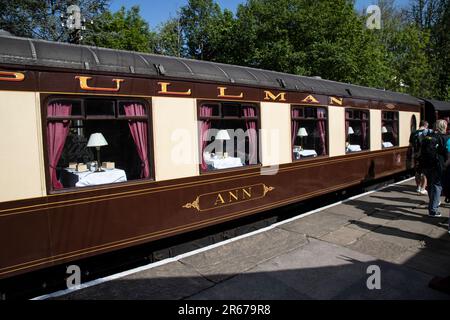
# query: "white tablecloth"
{"points": [[354, 148], [225, 163], [387, 145], [88, 178], [306, 153]]}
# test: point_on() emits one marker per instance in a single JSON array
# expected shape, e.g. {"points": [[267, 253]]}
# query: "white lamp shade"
{"points": [[384, 130], [302, 132], [350, 130], [223, 135], [97, 140]]}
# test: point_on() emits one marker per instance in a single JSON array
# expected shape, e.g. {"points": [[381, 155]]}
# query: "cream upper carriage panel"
{"points": [[275, 133], [406, 119], [175, 133], [21, 153]]}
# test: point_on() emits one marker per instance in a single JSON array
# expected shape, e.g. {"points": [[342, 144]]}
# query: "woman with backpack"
{"points": [[433, 156], [415, 141]]}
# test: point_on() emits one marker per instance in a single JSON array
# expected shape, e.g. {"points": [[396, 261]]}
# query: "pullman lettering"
{"points": [[165, 90], [233, 196], [310, 99], [222, 94], [11, 76], [270, 96], [85, 86]]}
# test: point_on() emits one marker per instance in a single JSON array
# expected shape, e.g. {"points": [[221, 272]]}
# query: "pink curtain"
{"points": [[395, 132], [57, 132], [321, 127], [205, 111], [364, 143], [252, 134], [295, 125], [139, 132]]}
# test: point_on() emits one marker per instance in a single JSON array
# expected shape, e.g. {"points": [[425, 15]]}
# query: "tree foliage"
{"points": [[124, 29], [170, 40], [42, 19]]}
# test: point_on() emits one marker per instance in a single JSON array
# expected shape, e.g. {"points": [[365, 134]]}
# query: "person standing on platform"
{"points": [[415, 141], [433, 156]]}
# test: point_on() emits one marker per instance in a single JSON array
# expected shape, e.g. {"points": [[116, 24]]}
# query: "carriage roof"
{"points": [[40, 53]]}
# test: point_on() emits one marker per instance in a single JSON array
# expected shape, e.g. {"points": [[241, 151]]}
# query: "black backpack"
{"points": [[431, 147], [416, 142]]}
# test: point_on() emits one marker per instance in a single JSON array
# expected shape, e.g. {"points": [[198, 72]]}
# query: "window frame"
{"points": [[257, 107], [397, 119], [366, 110], [46, 99], [327, 126]]}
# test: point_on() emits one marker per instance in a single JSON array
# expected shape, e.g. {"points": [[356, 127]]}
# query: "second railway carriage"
{"points": [[104, 149], [435, 110]]}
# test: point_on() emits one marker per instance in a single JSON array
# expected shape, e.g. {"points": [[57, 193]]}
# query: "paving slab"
{"points": [[384, 250], [343, 236], [426, 261], [372, 222], [226, 261], [420, 227], [317, 225], [351, 210], [398, 237], [439, 232]]}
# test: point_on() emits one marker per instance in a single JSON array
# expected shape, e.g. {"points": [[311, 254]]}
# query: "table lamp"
{"points": [[302, 133], [224, 136], [350, 131], [384, 130], [97, 140]]}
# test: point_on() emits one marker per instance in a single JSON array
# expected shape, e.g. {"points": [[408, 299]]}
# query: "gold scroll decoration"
{"points": [[224, 198]]}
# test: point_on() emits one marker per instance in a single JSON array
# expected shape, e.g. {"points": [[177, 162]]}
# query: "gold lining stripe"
{"points": [[133, 193]]}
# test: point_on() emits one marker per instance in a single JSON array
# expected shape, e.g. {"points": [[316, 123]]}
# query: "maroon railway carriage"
{"points": [[105, 149]]}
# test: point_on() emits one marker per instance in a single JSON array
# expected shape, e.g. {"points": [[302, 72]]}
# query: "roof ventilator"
{"points": [[281, 82], [160, 68]]}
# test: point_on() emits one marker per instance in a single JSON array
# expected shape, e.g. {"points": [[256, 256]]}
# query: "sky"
{"points": [[158, 11]]}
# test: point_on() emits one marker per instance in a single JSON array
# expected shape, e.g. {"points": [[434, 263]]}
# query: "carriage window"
{"points": [[309, 132], [92, 142], [389, 129], [357, 130], [229, 135]]}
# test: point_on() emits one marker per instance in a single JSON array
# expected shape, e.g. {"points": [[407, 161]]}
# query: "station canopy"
{"points": [[40, 53]]}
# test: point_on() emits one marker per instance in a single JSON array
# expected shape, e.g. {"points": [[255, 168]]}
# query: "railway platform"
{"points": [[380, 245]]}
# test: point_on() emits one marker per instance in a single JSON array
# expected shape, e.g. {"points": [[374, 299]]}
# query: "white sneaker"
{"points": [[423, 192]]}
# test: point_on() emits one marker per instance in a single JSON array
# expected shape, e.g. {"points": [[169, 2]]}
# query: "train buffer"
{"points": [[380, 245]]}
